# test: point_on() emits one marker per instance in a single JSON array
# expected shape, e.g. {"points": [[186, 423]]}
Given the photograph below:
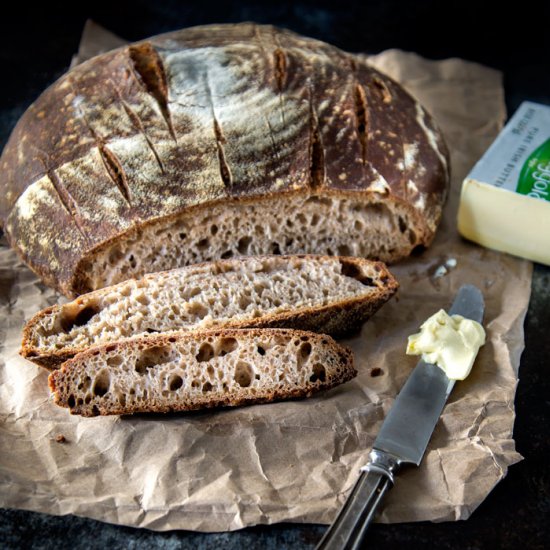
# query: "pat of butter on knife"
{"points": [[505, 200], [449, 341]]}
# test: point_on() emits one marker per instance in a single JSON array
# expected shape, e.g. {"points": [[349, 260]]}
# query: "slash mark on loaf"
{"points": [[361, 118], [146, 62], [115, 171], [280, 68], [136, 121], [67, 201], [225, 172]]}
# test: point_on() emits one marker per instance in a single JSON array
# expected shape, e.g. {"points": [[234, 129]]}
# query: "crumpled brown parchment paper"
{"points": [[289, 461]]}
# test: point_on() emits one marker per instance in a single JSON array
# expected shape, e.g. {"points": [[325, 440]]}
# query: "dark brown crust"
{"points": [[348, 127], [343, 353], [337, 319]]}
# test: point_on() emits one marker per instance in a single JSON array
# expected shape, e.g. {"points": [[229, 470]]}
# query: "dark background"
{"points": [[37, 42]]}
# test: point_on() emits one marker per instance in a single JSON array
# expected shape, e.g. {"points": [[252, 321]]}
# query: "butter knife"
{"points": [[402, 439]]}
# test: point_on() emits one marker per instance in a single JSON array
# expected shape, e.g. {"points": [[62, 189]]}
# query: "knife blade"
{"points": [[402, 439]]}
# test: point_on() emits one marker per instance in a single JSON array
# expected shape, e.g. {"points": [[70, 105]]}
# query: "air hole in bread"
{"points": [[206, 352], [226, 254], [175, 382], [143, 300], [275, 248], [376, 371], [319, 373], [243, 244], [198, 309], [115, 256], [304, 351], [349, 269], [203, 244], [71, 401], [102, 383], [260, 350], [152, 357], [259, 289], [192, 292], [206, 387], [115, 361], [244, 302], [213, 229], [243, 374], [402, 224], [227, 345], [69, 319]]}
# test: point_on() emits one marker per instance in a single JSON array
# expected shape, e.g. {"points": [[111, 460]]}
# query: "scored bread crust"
{"points": [[336, 317], [98, 382], [166, 130]]}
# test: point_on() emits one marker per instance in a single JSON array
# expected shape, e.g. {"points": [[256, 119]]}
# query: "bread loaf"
{"points": [[187, 371], [328, 294], [214, 142]]}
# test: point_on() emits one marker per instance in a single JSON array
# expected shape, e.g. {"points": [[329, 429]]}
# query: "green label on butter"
{"points": [[519, 159], [534, 178]]}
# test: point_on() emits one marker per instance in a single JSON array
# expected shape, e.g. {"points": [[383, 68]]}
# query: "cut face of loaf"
{"points": [[187, 371], [297, 224], [328, 294]]}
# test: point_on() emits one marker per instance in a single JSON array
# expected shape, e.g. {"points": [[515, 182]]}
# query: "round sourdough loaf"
{"points": [[214, 142]]}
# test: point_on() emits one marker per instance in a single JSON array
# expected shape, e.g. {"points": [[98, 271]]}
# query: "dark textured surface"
{"points": [[37, 45]]}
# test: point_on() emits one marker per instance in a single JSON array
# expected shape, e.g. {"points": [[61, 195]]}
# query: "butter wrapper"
{"points": [[505, 200]]}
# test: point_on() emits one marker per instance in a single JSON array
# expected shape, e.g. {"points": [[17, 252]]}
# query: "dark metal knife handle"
{"points": [[350, 526]]}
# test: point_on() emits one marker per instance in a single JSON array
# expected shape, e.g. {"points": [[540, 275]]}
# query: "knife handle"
{"points": [[350, 526]]}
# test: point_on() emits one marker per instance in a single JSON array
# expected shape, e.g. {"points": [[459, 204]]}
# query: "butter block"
{"points": [[505, 200]]}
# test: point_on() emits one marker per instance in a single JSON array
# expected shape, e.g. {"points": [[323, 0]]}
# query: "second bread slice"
{"points": [[319, 293], [187, 371]]}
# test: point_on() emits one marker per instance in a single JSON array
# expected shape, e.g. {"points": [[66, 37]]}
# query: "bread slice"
{"points": [[320, 293], [186, 371]]}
